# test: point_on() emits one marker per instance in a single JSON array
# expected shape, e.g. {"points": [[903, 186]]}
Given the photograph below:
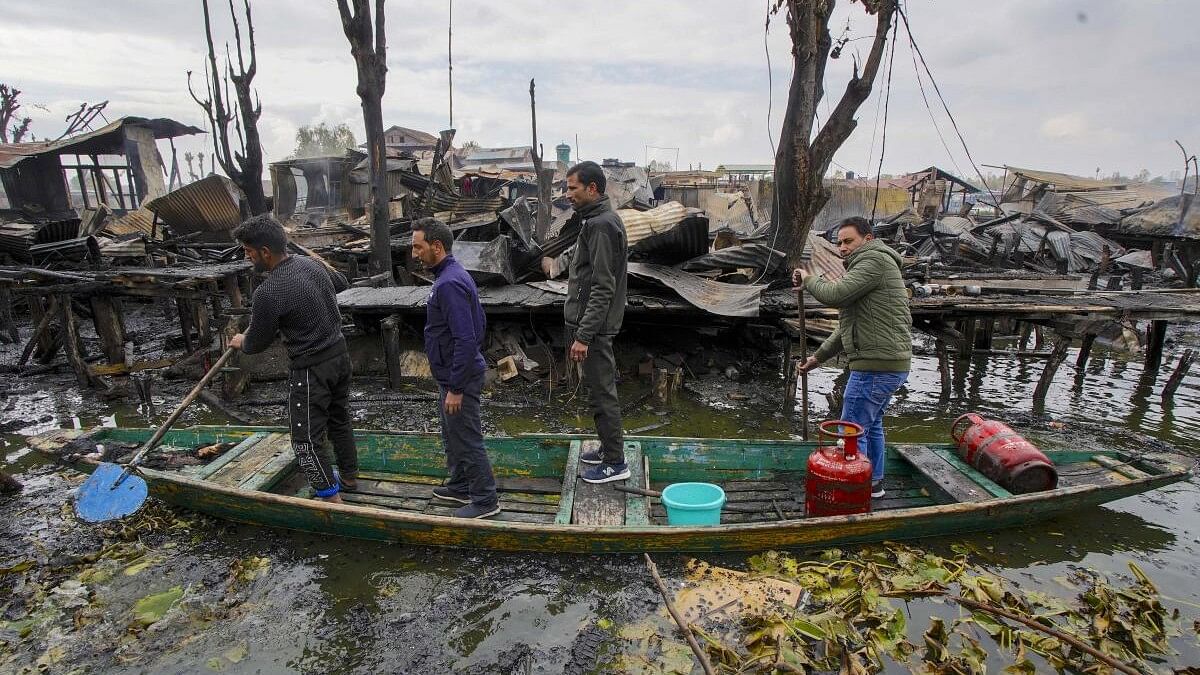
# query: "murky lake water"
{"points": [[331, 605]]}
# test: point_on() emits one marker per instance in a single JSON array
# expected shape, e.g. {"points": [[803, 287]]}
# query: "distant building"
{"points": [[518, 158], [410, 140], [740, 173]]}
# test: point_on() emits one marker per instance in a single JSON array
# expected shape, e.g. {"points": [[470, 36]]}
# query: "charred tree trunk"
{"points": [[368, 44], [243, 163], [802, 157], [542, 227]]}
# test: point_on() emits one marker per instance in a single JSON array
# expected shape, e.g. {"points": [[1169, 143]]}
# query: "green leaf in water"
{"points": [[151, 608]]}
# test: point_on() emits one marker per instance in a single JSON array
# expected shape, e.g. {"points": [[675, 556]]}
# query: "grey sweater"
{"points": [[298, 299]]}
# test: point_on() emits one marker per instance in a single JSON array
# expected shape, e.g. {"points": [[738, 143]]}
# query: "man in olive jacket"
{"points": [[594, 310], [874, 331]]}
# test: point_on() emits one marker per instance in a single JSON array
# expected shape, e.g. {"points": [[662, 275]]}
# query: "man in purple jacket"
{"points": [[454, 327]]}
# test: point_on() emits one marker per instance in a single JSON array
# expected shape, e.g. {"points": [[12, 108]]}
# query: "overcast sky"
{"points": [[1067, 85]]}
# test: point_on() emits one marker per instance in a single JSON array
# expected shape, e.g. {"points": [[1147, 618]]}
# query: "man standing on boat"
{"points": [[874, 330], [454, 331], [298, 299], [594, 310]]}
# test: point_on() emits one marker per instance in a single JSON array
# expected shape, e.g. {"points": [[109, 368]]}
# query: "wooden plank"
{"points": [[971, 472], [542, 486], [945, 479], [252, 460], [271, 473], [1120, 467], [401, 503], [598, 504], [566, 504], [504, 516], [636, 513], [231, 454]]}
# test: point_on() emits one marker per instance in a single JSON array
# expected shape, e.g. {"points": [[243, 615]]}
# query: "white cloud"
{"points": [[1066, 126]]}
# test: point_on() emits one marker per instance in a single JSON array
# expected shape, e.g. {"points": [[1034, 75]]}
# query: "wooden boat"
{"points": [[930, 491]]}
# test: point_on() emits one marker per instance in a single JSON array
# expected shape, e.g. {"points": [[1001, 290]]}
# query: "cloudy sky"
{"points": [[1068, 85]]}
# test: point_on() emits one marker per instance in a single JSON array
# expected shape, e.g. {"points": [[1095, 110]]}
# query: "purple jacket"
{"points": [[454, 327]]}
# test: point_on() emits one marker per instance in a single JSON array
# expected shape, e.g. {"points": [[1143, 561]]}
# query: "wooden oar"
{"points": [[655, 493], [803, 360], [111, 492]]}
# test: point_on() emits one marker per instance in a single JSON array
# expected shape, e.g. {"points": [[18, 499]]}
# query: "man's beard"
{"points": [[260, 266]]}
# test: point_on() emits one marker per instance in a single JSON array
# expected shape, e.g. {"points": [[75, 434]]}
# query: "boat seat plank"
{"points": [[1127, 470], [943, 478], [206, 470], [566, 503], [599, 504], [252, 460], [637, 513], [541, 486], [971, 472], [271, 473]]}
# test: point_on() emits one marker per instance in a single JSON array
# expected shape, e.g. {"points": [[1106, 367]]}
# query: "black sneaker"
{"points": [[476, 511], [591, 456], [606, 473], [349, 483], [444, 493], [877, 490]]}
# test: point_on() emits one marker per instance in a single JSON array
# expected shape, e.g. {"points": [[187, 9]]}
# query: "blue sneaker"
{"points": [[591, 456], [446, 494], [606, 473]]}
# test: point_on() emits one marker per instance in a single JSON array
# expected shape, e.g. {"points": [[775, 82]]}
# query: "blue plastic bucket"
{"points": [[693, 503]]}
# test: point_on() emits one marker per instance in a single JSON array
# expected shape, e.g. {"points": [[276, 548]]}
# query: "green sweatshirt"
{"points": [[874, 324]]}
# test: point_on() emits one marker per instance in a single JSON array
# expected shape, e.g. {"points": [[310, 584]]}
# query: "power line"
{"points": [[771, 141], [945, 106], [886, 101], [929, 109]]}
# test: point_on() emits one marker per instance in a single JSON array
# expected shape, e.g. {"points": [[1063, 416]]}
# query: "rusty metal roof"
{"points": [[209, 205], [1063, 181], [711, 296]]}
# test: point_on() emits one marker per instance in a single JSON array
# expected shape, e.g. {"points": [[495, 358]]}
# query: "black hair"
{"points": [[589, 172], [860, 224], [435, 230], [262, 231]]}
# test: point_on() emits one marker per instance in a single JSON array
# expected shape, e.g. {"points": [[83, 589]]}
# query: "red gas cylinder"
{"points": [[1003, 455], [839, 478]]}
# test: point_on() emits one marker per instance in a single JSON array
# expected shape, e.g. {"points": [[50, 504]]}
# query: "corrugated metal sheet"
{"points": [[823, 258], [1163, 219], [441, 200], [12, 154], [753, 255], [208, 206], [712, 296], [642, 224], [668, 233], [139, 221], [627, 185], [1063, 181]]}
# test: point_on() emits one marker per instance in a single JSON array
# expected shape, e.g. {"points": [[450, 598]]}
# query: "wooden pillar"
{"points": [[1056, 358], [666, 383], [1181, 370], [352, 272], [789, 370], [1039, 338], [1026, 329], [943, 367], [200, 320], [8, 327], [110, 326], [233, 291], [1154, 344], [391, 350], [235, 378], [47, 340], [1085, 350], [983, 337], [184, 308], [70, 339], [967, 347]]}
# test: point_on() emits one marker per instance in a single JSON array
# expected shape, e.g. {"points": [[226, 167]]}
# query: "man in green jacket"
{"points": [[594, 310], [874, 331]]}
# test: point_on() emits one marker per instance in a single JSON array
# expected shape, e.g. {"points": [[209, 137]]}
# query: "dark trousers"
{"points": [[600, 376], [319, 406], [467, 463]]}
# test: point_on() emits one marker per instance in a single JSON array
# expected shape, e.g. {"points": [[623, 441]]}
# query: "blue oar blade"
{"points": [[97, 500]]}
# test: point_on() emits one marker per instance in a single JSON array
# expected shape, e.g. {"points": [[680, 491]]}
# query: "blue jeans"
{"points": [[867, 395]]}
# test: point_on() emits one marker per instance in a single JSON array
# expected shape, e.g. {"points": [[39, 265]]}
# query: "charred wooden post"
{"points": [[1181, 370], [391, 350], [40, 341], [1157, 335], [1026, 329], [983, 338], [943, 358], [1057, 356], [235, 378], [966, 348], [8, 328], [184, 308], [666, 383], [1085, 350], [200, 321], [110, 326], [71, 341], [544, 178]]}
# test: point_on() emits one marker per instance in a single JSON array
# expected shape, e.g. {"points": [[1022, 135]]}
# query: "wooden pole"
{"points": [[391, 350], [9, 327], [235, 380], [70, 337], [803, 360], [943, 367], [1085, 350], [1154, 345], [967, 347], [701, 657], [1056, 358], [106, 315], [46, 342], [42, 322], [1181, 370]]}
